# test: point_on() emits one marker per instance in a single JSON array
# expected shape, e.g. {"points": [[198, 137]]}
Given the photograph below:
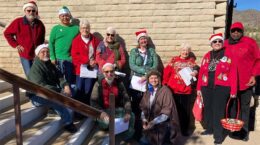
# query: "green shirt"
{"points": [[60, 41]]}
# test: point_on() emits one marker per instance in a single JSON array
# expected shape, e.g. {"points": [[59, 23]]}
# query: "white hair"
{"points": [[186, 46], [84, 23], [108, 64]]}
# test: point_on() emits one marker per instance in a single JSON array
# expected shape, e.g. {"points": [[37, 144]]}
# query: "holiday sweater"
{"points": [[60, 41]]}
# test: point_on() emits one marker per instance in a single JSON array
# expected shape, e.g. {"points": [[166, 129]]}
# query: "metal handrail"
{"points": [[19, 82]]}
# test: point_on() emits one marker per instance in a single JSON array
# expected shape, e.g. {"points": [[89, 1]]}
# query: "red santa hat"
{"points": [[30, 4], [215, 37], [141, 33], [237, 25]]}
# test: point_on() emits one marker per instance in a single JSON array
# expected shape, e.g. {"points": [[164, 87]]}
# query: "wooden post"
{"points": [[17, 110], [112, 119]]}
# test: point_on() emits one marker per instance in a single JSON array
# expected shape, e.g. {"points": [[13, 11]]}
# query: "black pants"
{"points": [[136, 99], [244, 97], [215, 100], [184, 110]]}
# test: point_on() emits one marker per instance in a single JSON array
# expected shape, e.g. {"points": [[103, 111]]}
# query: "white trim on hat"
{"points": [[215, 38], [30, 5], [40, 47], [108, 64], [64, 11], [141, 35]]}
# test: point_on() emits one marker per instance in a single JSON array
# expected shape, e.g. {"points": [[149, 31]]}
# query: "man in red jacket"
{"points": [[246, 51], [25, 34]]}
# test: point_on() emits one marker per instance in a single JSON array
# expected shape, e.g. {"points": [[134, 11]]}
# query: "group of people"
{"points": [[160, 113]]}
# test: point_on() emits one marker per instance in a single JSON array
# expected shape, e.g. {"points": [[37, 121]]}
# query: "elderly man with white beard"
{"points": [[44, 73]]}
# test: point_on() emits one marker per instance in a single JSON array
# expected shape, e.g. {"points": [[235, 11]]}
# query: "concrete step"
{"points": [[64, 137], [4, 86], [28, 115], [7, 99]]}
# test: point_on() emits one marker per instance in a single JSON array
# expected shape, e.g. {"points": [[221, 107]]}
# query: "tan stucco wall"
{"points": [[169, 22]]}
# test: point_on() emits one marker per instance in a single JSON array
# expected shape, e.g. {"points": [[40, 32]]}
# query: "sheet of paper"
{"points": [[135, 84], [86, 73], [120, 125], [185, 74], [120, 74]]}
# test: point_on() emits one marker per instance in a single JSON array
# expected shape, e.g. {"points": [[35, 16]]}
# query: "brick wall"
{"points": [[169, 22]]}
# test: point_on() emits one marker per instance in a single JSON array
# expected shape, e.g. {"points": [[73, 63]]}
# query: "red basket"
{"points": [[232, 124]]}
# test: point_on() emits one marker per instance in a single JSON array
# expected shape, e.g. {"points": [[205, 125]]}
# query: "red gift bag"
{"points": [[197, 109]]}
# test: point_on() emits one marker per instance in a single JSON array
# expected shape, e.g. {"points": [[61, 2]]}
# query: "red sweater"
{"points": [[80, 51], [247, 54], [172, 78], [106, 55], [225, 73], [19, 32]]}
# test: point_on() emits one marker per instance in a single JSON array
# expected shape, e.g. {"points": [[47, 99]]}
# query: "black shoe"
{"points": [[206, 132], [217, 142], [71, 128], [246, 138]]}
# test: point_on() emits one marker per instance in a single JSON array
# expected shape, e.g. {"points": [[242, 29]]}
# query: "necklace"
{"points": [[214, 61]]}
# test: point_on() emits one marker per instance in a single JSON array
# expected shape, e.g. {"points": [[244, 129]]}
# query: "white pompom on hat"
{"points": [[141, 33], [215, 37], [40, 47], [64, 10], [31, 4]]}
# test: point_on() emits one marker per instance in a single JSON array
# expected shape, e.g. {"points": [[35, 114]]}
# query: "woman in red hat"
{"points": [[216, 83], [142, 59]]}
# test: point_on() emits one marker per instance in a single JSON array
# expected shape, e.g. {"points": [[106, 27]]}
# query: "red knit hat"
{"points": [[237, 25], [215, 37], [141, 33]]}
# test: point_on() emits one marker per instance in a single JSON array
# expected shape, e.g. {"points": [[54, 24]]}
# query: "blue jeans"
{"points": [[27, 64], [66, 69], [63, 112], [84, 89]]}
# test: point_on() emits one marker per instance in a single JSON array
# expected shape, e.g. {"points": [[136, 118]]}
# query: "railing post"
{"points": [[17, 110], [112, 119]]}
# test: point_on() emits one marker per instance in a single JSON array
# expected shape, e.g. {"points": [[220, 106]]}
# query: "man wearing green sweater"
{"points": [[60, 41]]}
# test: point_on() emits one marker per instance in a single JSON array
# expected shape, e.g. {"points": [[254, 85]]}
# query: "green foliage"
{"points": [[254, 33]]}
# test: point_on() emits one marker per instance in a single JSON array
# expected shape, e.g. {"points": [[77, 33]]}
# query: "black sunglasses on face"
{"points": [[234, 30], [109, 71], [112, 35], [215, 41], [33, 11]]}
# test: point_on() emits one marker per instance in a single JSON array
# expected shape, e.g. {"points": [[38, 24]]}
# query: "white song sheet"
{"points": [[185, 74], [120, 125], [86, 73], [137, 85]]}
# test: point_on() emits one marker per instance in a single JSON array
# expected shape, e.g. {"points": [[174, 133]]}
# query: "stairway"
{"points": [[38, 127]]}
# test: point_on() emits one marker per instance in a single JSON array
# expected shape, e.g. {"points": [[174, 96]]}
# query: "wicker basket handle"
{"points": [[238, 107]]}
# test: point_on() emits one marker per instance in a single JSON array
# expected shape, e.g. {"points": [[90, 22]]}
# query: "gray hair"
{"points": [[84, 23], [186, 45]]}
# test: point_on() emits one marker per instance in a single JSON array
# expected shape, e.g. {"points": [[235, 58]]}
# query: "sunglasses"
{"points": [[112, 35], [215, 41], [234, 30], [33, 11], [109, 71]]}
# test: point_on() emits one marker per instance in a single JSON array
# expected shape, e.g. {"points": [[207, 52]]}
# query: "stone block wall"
{"points": [[168, 22]]}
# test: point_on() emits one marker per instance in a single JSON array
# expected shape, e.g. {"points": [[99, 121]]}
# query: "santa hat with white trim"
{"points": [[215, 37], [31, 4], [141, 33]]}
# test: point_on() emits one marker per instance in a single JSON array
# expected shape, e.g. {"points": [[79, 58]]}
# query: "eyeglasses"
{"points": [[234, 30], [215, 41], [112, 35], [33, 11], [109, 71]]}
